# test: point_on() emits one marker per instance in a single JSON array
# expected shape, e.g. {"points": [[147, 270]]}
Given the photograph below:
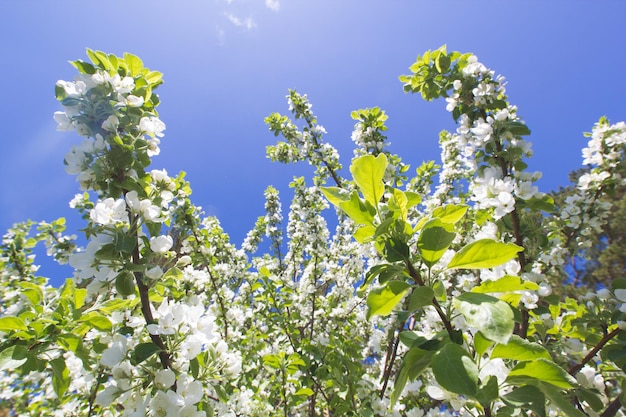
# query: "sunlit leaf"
{"points": [[382, 300], [368, 172], [484, 253], [493, 317]]}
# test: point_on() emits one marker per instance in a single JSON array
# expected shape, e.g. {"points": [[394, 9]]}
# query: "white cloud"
{"points": [[272, 4], [247, 23]]}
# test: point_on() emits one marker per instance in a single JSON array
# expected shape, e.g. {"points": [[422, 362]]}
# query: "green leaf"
{"points": [[558, 399], [507, 283], [364, 234], [358, 210], [413, 363], [335, 195], [488, 392], [154, 77], [271, 361], [304, 391], [484, 253], [398, 203], [455, 370], [97, 321], [125, 283], [69, 341], [545, 203], [396, 250], [382, 300], [60, 377], [135, 65], [33, 292], [13, 357], [421, 297], [434, 240], [450, 213], [10, 323], [492, 316], [368, 172], [593, 399], [173, 273], [481, 343], [517, 128], [124, 242], [527, 397], [541, 370], [143, 351], [411, 339], [520, 349]]}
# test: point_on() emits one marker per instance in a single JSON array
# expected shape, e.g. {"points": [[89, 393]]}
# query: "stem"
{"points": [[607, 337], [444, 319], [146, 305], [392, 352], [220, 301], [521, 329], [332, 173], [612, 409]]}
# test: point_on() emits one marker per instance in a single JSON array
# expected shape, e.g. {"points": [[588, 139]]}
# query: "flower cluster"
{"points": [[419, 303]]}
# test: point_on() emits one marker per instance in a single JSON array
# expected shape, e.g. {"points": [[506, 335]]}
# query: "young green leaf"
{"points": [[368, 172], [484, 253], [450, 213], [563, 402], [421, 297], [335, 195], [455, 370], [382, 300], [541, 370], [413, 363], [10, 323], [434, 240], [143, 351], [507, 283], [60, 377], [358, 210], [492, 316], [520, 349], [527, 397]]}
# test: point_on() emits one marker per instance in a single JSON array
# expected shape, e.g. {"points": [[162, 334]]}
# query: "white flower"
{"points": [[544, 289], [134, 101], [114, 353], [73, 89], [166, 403], [111, 123], [529, 300], [64, 123], [189, 390], [109, 211], [620, 294], [154, 273], [152, 126], [161, 244], [107, 395], [494, 367], [122, 85], [165, 378]]}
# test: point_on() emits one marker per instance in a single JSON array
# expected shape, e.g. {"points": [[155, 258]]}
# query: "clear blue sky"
{"points": [[228, 64]]}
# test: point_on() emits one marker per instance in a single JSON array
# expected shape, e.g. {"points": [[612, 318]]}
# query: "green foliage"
{"points": [[420, 298]]}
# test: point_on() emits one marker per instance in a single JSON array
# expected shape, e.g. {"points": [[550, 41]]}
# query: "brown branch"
{"points": [[444, 319], [392, 352], [612, 409], [607, 337]]}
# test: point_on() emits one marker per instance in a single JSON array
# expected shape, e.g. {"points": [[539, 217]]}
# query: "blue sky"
{"points": [[228, 64]]}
